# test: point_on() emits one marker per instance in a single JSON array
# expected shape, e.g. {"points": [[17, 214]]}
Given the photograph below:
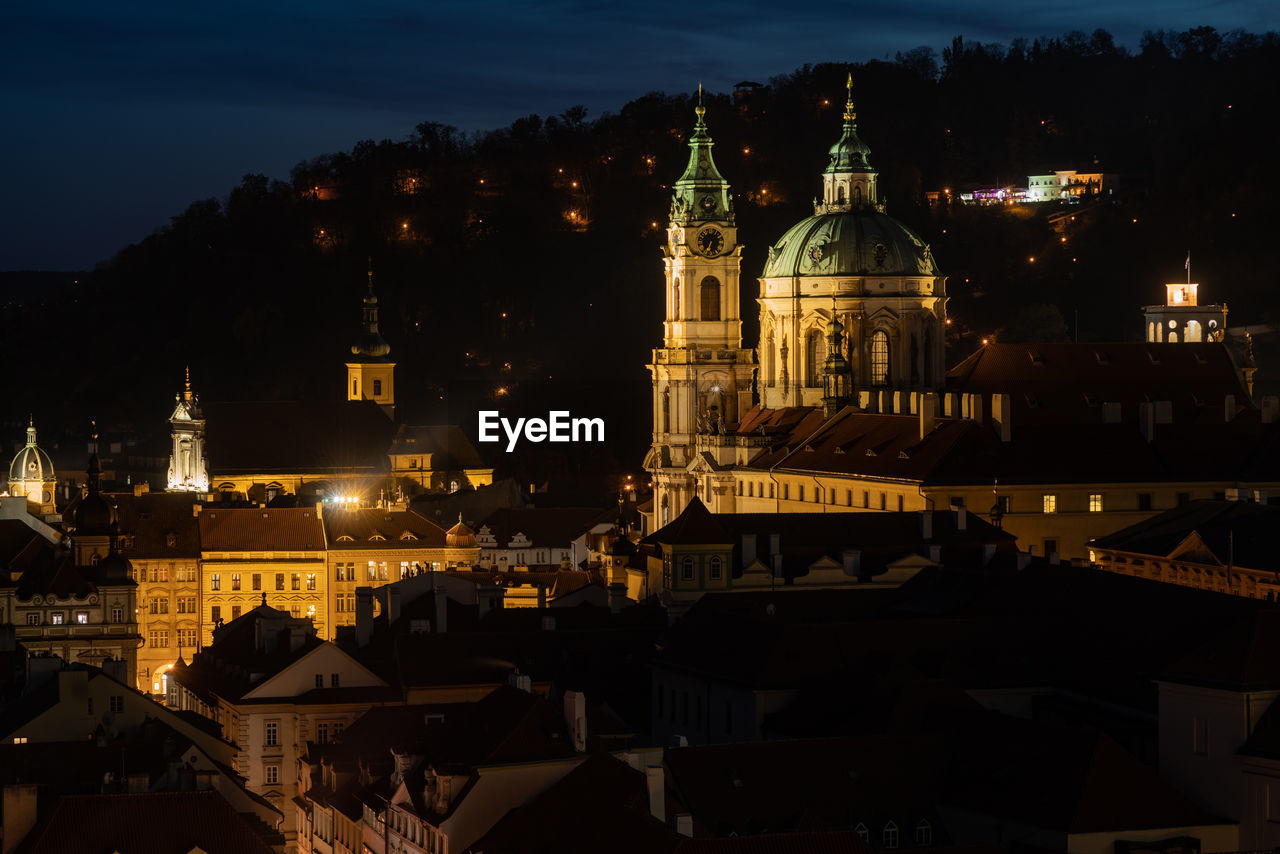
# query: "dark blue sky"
{"points": [[117, 115]]}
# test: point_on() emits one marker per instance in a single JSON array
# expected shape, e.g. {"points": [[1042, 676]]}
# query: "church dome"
{"points": [[370, 344], [460, 536], [858, 242], [32, 464]]}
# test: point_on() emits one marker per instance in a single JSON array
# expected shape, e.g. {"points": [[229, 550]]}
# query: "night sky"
{"points": [[117, 115]]}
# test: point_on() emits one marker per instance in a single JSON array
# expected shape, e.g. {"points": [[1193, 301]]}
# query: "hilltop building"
{"points": [[1182, 318]]}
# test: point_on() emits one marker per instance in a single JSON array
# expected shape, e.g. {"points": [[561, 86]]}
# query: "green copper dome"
{"points": [[861, 242]]}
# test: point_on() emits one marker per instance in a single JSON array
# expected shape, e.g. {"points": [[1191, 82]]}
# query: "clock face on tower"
{"points": [[710, 242]]}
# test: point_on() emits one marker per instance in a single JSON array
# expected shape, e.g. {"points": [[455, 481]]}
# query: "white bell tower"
{"points": [[188, 468]]}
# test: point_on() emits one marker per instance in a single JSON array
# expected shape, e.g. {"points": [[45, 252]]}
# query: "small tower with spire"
{"points": [[836, 377], [849, 181], [188, 467], [371, 372]]}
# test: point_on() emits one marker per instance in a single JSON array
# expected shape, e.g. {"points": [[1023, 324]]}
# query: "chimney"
{"points": [[852, 561], [442, 610], [1270, 408], [542, 595], [926, 524], [775, 544], [899, 403], [913, 401], [972, 405], [1164, 411], [548, 624], [117, 669], [617, 597], [777, 566], [488, 598], [1024, 559], [18, 813], [885, 405], [1054, 559], [935, 553], [1002, 416], [988, 552], [1112, 413], [1229, 407], [206, 780], [364, 615], [962, 518], [656, 780], [297, 637], [951, 405], [864, 400], [749, 549], [1235, 494], [1147, 420], [393, 602], [928, 412], [684, 824], [575, 717]]}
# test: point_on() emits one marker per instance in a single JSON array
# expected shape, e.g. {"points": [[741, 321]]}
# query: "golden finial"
{"points": [[849, 114], [700, 110]]}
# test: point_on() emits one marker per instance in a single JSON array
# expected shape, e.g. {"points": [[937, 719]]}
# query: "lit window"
{"points": [[215, 581], [56, 618], [235, 581], [879, 357], [311, 581], [1095, 502], [19, 739], [33, 619], [1051, 504], [295, 581]]}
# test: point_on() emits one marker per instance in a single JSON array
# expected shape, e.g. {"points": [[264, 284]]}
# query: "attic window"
{"points": [[871, 452], [1152, 356], [376, 537], [1103, 358], [902, 455], [346, 538], [408, 535], [1037, 359], [1032, 401]]}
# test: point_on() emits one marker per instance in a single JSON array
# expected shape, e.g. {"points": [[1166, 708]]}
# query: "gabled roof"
{"points": [[296, 437], [696, 525], [238, 529], [603, 800], [374, 528], [548, 527], [1233, 532], [152, 823], [447, 444]]}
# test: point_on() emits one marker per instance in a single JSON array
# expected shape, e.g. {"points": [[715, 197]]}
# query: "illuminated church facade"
{"points": [[851, 304]]}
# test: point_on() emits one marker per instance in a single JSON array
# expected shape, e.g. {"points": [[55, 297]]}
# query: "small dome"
{"points": [[94, 516], [850, 243], [115, 567], [460, 537], [622, 547], [32, 464], [849, 154], [371, 345]]}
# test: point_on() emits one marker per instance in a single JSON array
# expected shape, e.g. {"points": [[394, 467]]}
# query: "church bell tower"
{"points": [[701, 374], [371, 374], [188, 468]]}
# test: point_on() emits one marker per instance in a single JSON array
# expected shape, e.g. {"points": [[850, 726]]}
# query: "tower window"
{"points": [[815, 355], [879, 357], [709, 292], [355, 387], [377, 388]]}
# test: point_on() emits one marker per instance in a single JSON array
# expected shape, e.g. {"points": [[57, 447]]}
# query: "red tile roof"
{"points": [[374, 528], [239, 529]]}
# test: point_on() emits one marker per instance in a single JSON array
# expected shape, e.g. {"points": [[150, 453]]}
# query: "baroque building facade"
{"points": [[701, 373]]}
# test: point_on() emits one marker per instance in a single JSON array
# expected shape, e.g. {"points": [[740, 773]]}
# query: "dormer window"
{"points": [[346, 538], [408, 535], [377, 538]]}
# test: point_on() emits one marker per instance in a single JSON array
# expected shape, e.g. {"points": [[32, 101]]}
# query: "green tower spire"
{"points": [[849, 154], [701, 194]]}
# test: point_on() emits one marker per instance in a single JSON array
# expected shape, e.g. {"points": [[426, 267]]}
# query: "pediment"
{"points": [[1193, 549]]}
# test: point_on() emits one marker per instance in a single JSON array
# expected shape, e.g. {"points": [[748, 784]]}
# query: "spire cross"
{"points": [[849, 113]]}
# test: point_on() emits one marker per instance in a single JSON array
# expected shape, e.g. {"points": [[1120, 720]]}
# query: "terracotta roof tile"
{"points": [[231, 529]]}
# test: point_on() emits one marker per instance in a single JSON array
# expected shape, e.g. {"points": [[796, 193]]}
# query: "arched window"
{"points": [[890, 839], [862, 832], [377, 388], [666, 410], [1193, 331], [879, 357], [924, 834], [710, 295], [666, 510], [715, 567], [675, 298], [815, 351], [686, 568]]}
